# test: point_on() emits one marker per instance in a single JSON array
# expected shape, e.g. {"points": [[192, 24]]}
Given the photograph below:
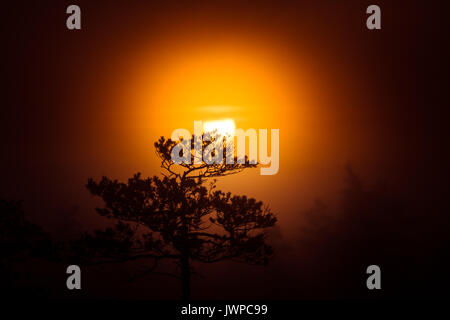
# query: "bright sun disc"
{"points": [[223, 127]]}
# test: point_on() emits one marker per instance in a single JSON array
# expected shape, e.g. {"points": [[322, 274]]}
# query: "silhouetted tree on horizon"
{"points": [[177, 217], [370, 224]]}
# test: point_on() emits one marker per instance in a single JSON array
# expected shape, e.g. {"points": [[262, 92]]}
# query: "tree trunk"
{"points": [[185, 268], [185, 277]]}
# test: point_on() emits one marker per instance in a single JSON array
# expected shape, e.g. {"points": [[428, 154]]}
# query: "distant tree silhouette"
{"points": [[370, 225], [19, 240], [178, 217]]}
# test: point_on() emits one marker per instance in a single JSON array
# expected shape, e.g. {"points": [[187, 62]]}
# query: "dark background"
{"points": [[46, 107]]}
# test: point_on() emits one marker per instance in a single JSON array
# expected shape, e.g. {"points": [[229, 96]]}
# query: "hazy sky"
{"points": [[87, 103]]}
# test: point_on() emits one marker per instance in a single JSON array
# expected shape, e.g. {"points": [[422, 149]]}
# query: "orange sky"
{"points": [[111, 90], [255, 79]]}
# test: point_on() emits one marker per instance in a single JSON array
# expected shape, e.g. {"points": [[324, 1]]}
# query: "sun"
{"points": [[224, 127]]}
